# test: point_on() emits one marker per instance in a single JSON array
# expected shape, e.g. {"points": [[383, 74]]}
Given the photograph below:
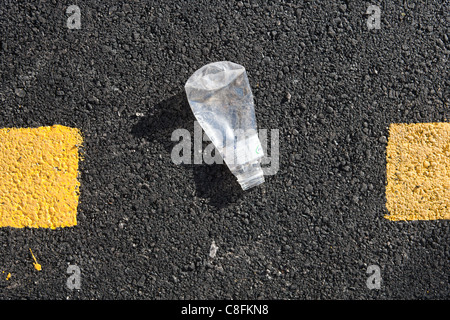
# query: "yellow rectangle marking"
{"points": [[38, 176], [418, 171]]}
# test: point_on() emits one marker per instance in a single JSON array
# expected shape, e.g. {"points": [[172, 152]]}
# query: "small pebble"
{"points": [[20, 92], [382, 139]]}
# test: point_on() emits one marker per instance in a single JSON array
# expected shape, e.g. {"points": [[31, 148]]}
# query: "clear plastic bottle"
{"points": [[221, 99]]}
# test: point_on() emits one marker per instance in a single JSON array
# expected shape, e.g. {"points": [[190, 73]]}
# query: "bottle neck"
{"points": [[250, 175]]}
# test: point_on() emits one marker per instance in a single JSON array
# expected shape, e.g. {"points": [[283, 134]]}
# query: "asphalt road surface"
{"points": [[328, 81]]}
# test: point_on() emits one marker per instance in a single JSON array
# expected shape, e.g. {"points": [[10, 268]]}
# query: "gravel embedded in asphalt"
{"points": [[145, 225]]}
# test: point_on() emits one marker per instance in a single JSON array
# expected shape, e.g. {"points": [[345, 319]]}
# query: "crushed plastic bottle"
{"points": [[221, 99]]}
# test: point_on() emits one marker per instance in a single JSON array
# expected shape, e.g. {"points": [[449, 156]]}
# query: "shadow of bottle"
{"points": [[214, 182]]}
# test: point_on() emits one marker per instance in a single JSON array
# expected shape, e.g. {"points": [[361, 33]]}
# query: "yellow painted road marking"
{"points": [[8, 276], [37, 266], [38, 176], [418, 171]]}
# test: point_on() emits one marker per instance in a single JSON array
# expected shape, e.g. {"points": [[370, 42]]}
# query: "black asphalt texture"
{"points": [[145, 225]]}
